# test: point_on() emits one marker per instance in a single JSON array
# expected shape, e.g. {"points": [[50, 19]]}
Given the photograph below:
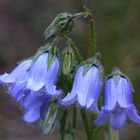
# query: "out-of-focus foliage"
{"points": [[22, 23]]}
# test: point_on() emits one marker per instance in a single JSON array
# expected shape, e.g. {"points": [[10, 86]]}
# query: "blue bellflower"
{"points": [[32, 83], [85, 89], [43, 78], [118, 104]]}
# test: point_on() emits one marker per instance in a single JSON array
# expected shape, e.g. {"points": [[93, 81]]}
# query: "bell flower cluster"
{"points": [[52, 80]]}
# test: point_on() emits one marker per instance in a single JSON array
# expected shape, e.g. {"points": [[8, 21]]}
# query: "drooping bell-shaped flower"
{"points": [[41, 77], [86, 86], [118, 104], [16, 80]]}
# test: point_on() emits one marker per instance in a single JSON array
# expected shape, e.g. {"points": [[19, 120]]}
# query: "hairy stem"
{"points": [[92, 32], [110, 134], [74, 121]]}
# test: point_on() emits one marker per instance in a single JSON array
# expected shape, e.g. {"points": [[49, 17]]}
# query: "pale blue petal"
{"points": [[6, 78], [52, 72], [17, 90], [32, 115], [52, 90], [34, 85], [77, 76], [87, 87], [102, 118], [132, 114], [124, 94], [94, 88], [37, 73], [19, 73], [31, 100], [69, 99], [117, 119], [110, 94]]}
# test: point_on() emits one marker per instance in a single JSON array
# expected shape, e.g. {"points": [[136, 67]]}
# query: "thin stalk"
{"points": [[74, 121], [92, 32], [62, 124], [73, 46], [110, 134], [114, 134], [86, 125]]}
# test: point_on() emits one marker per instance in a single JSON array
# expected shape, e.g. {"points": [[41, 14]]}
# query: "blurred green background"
{"points": [[22, 23]]}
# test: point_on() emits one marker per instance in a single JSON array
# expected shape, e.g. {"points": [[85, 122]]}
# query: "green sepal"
{"points": [[52, 51], [52, 55], [52, 117], [94, 61], [61, 25], [117, 74], [125, 76], [69, 61], [46, 48]]}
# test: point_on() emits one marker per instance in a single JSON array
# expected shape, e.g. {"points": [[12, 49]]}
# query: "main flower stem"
{"points": [[62, 124], [74, 121], [92, 49], [110, 134], [86, 125], [92, 32], [114, 135]]}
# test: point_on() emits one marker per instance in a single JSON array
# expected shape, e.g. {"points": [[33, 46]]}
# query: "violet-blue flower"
{"points": [[118, 104], [86, 88], [43, 78]]}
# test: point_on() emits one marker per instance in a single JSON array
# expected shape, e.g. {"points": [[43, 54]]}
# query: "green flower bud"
{"points": [[61, 25], [52, 116], [69, 61]]}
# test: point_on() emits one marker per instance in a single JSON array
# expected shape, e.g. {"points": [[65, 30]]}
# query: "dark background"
{"points": [[22, 23]]}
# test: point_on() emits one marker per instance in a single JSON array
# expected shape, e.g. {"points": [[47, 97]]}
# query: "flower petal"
{"points": [[124, 94], [132, 114], [37, 73], [6, 78], [87, 86], [17, 90], [52, 72], [32, 115], [34, 86], [69, 99], [30, 100], [110, 94], [103, 117], [117, 119], [19, 73], [93, 89], [52, 90]]}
